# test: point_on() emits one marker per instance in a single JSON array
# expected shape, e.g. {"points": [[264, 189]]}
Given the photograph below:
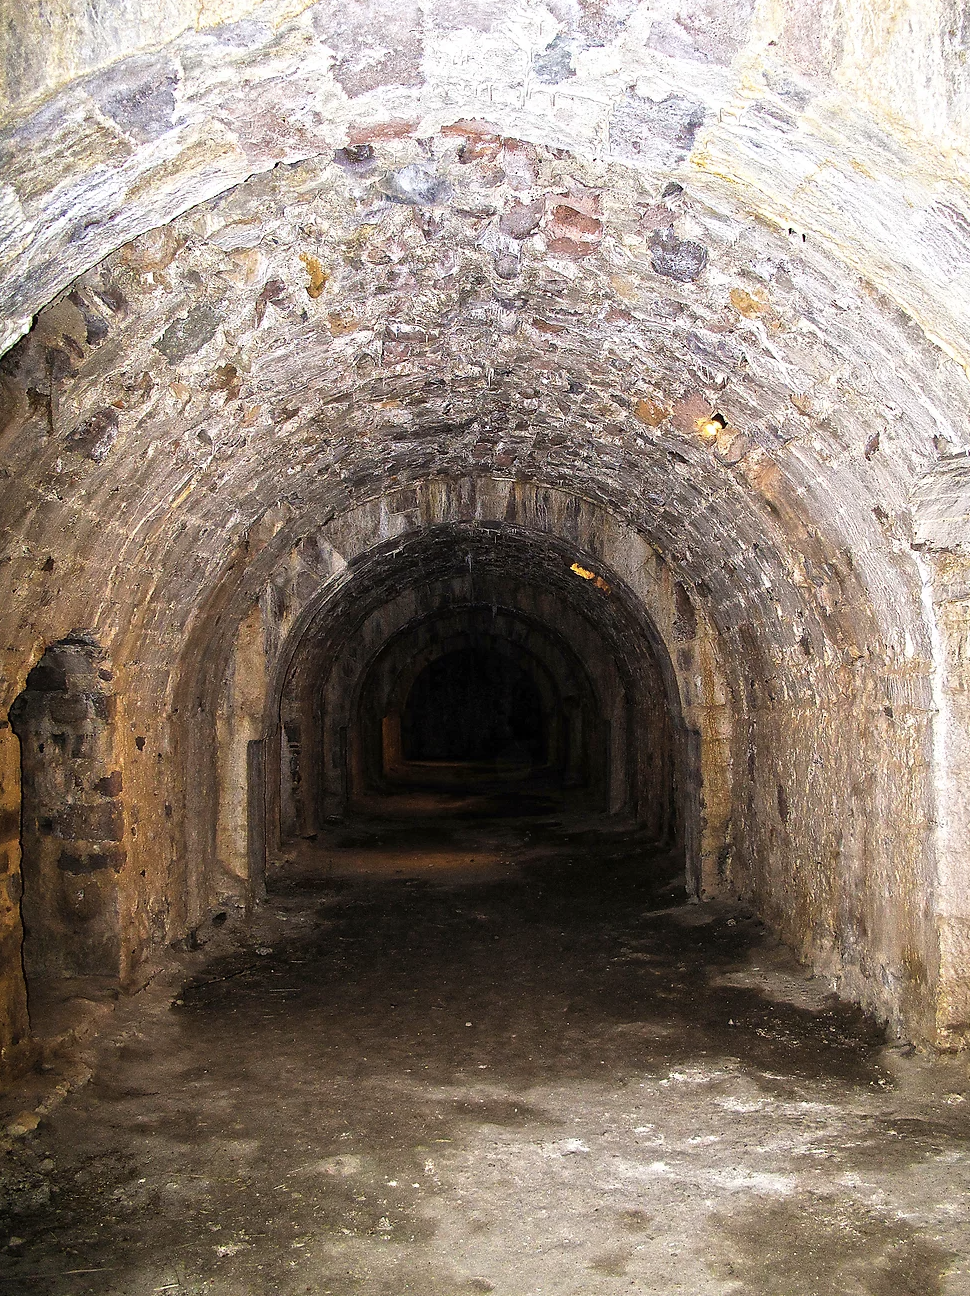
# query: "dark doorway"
{"points": [[474, 705]]}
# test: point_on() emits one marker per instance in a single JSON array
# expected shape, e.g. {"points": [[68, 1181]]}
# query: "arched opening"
{"points": [[570, 710], [483, 650], [473, 700], [310, 649]]}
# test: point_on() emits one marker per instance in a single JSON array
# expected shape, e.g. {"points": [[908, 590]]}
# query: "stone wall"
{"points": [[14, 1021]]}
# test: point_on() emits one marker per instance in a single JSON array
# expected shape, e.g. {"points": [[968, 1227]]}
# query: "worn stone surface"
{"points": [[459, 1055], [844, 126]]}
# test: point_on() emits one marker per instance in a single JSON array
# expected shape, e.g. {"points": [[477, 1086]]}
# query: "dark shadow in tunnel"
{"points": [[475, 738], [485, 715], [474, 705]]}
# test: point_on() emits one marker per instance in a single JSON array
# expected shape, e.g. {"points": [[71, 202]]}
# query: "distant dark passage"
{"points": [[474, 705]]}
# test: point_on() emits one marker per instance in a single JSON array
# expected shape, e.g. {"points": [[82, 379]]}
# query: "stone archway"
{"points": [[346, 597], [575, 711]]}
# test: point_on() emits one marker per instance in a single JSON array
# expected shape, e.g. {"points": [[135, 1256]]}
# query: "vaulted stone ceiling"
{"points": [[473, 302], [670, 218]]}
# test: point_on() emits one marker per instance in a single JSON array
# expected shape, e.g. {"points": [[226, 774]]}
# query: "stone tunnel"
{"points": [[609, 359]]}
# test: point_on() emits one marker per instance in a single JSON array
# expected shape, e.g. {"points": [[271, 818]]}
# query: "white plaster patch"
{"points": [[767, 1185]]}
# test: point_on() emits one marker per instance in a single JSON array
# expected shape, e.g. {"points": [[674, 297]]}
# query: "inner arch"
{"points": [[608, 694]]}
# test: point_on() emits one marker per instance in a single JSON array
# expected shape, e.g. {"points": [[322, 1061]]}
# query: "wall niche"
{"points": [[73, 822]]}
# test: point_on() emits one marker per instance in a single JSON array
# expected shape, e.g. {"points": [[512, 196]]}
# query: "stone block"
{"points": [[103, 821], [138, 94], [103, 705], [111, 785], [9, 823], [69, 708], [14, 1023], [11, 890], [47, 678], [184, 337], [92, 861]]}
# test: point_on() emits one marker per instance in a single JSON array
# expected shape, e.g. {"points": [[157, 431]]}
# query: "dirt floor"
{"points": [[456, 1053]]}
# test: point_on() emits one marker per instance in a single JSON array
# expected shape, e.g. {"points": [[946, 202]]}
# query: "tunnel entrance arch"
{"points": [[396, 558], [623, 722], [623, 736]]}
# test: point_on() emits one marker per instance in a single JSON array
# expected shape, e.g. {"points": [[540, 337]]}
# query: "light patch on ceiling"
{"points": [[586, 574]]}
